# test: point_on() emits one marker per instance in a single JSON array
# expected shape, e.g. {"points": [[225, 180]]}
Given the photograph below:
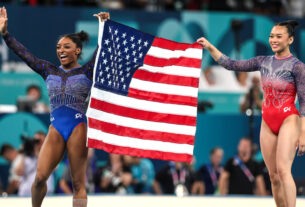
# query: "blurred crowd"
{"points": [[113, 173], [274, 7]]}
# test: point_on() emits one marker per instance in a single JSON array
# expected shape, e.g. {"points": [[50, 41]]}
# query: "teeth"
{"points": [[63, 56]]}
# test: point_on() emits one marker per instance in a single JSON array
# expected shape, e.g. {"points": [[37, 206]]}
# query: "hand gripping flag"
{"points": [[144, 95]]}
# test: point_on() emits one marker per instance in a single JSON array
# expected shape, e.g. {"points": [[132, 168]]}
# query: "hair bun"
{"points": [[293, 23], [83, 36]]}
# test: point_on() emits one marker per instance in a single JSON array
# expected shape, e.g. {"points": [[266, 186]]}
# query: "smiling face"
{"points": [[67, 52], [280, 41]]}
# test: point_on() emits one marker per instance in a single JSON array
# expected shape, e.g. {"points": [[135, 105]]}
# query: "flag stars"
{"points": [[126, 49], [107, 42], [107, 69], [133, 46], [134, 53], [122, 79], [109, 83], [132, 38], [141, 55], [139, 41], [146, 43], [116, 32], [105, 61], [108, 76], [109, 49], [124, 35], [103, 54], [124, 42], [117, 39], [102, 80]]}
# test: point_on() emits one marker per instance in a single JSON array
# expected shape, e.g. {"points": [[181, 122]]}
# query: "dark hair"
{"points": [[214, 150], [35, 87], [290, 25], [78, 38], [5, 148]]}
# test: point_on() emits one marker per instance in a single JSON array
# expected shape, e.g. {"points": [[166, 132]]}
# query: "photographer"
{"points": [[27, 166], [253, 99]]}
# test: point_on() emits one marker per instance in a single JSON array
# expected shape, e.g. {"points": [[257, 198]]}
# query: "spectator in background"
{"points": [[143, 173], [174, 178], [34, 92], [253, 99], [242, 78], [115, 177], [242, 174], [11, 155], [209, 173], [65, 183], [28, 162], [31, 102]]}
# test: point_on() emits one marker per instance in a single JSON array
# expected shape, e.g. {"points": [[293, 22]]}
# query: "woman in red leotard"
{"points": [[283, 126]]}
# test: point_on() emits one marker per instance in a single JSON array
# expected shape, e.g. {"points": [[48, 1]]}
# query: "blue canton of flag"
{"points": [[123, 50]]}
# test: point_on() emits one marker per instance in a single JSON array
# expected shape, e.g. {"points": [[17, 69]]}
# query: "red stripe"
{"points": [[165, 78], [181, 61], [140, 133], [97, 144], [171, 45], [141, 114], [162, 98]]}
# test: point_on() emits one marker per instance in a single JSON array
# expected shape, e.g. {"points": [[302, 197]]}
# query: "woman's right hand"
{"points": [[204, 43], [103, 16], [3, 21]]}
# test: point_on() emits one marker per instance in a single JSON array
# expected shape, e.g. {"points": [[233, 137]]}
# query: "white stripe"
{"points": [[173, 70], [167, 54], [143, 104], [163, 88], [139, 143], [140, 124]]}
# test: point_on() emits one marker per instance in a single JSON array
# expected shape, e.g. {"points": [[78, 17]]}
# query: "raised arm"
{"points": [[252, 64], [38, 65], [299, 74], [89, 66]]}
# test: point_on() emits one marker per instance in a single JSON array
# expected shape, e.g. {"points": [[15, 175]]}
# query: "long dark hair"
{"points": [[290, 25], [78, 38]]}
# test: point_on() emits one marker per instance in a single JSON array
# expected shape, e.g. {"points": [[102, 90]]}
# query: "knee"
{"points": [[40, 181], [274, 178], [283, 173]]}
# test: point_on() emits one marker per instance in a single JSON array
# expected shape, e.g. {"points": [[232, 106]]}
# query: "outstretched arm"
{"points": [[33, 62], [252, 64]]}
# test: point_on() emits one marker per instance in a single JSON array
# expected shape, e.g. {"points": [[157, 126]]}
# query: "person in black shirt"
{"points": [[241, 174], [173, 177]]}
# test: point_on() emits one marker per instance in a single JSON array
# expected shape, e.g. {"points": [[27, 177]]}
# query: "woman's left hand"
{"points": [[103, 16], [301, 145]]}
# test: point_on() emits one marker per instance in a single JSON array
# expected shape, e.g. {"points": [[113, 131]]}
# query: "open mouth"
{"points": [[63, 57]]}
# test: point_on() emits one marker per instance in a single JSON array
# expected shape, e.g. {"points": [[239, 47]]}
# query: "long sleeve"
{"points": [[299, 75], [252, 64], [38, 65], [89, 66]]}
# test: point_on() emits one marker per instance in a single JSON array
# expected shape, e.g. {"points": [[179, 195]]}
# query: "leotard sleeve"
{"points": [[38, 65], [299, 76], [89, 66], [252, 64]]}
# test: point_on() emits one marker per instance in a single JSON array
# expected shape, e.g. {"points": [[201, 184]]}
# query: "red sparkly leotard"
{"points": [[282, 79]]}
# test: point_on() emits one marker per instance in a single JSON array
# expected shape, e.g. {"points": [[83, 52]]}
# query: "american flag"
{"points": [[144, 95]]}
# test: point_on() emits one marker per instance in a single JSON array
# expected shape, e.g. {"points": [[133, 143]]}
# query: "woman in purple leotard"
{"points": [[282, 130], [68, 86]]}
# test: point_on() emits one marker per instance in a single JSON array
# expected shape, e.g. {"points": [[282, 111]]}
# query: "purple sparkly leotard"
{"points": [[282, 79], [68, 89]]}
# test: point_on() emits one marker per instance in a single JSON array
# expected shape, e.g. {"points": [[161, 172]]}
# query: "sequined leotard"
{"points": [[68, 89], [282, 79]]}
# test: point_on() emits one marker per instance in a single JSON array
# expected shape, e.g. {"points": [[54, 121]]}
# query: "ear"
{"points": [[78, 50], [291, 39]]}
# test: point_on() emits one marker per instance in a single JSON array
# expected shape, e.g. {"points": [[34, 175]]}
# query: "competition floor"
{"points": [[150, 201]]}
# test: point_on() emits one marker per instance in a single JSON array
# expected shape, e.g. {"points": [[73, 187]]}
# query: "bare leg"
{"points": [[268, 142], [287, 143], [77, 153], [50, 155]]}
